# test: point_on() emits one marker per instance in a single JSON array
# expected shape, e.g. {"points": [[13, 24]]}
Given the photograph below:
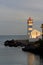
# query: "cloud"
{"points": [[13, 11], [17, 8], [7, 14]]}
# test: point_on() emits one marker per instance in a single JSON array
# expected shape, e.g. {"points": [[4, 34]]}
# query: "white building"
{"points": [[35, 34]]}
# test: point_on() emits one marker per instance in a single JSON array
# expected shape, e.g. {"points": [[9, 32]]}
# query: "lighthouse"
{"points": [[29, 26]]}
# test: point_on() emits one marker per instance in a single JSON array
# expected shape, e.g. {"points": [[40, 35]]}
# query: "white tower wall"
{"points": [[29, 26]]}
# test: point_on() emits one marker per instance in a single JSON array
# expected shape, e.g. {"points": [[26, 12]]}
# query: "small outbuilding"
{"points": [[35, 34]]}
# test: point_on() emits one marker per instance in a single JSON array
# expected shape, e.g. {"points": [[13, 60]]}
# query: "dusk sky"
{"points": [[14, 15]]}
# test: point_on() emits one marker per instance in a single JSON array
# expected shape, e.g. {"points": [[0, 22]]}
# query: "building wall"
{"points": [[35, 34]]}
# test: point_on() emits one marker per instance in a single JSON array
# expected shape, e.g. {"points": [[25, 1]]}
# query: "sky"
{"points": [[14, 15]]}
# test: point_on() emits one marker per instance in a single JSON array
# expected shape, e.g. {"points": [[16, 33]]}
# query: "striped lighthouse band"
{"points": [[29, 22], [29, 26], [29, 31]]}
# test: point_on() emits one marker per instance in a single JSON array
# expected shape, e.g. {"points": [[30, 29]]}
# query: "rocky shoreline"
{"points": [[16, 43], [36, 47]]}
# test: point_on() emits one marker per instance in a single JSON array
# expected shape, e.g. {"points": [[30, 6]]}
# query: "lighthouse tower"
{"points": [[29, 26]]}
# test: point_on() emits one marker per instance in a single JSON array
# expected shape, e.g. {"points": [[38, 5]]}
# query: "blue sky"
{"points": [[14, 15]]}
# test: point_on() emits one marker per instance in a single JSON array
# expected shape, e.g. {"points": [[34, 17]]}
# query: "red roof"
{"points": [[30, 19]]}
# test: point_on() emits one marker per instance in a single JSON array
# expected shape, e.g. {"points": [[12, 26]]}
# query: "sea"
{"points": [[15, 55]]}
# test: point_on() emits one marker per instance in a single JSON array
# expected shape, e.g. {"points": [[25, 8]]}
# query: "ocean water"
{"points": [[15, 55]]}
